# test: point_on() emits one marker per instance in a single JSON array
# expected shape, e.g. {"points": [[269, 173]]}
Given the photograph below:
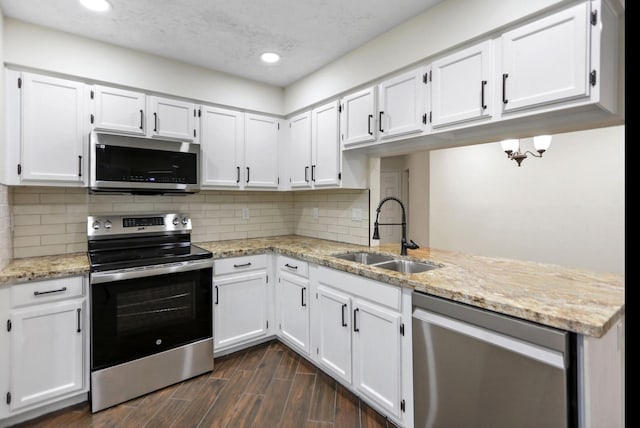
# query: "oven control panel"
{"points": [[114, 224]]}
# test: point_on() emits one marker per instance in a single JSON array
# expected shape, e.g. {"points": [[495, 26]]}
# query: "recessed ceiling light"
{"points": [[270, 57], [96, 5]]}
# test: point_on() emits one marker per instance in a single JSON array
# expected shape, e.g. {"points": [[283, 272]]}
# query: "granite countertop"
{"points": [[576, 300]]}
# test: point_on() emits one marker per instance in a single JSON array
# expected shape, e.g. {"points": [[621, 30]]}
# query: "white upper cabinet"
{"points": [[53, 131], [325, 144], [222, 143], [461, 86], [401, 104], [119, 110], [261, 151], [173, 119], [357, 121], [300, 150], [546, 61]]}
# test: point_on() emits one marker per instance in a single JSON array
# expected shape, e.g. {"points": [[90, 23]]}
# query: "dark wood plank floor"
{"points": [[265, 386]]}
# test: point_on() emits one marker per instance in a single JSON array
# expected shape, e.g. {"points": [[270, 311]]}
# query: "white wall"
{"points": [[567, 208], [444, 26], [418, 227], [39, 48]]}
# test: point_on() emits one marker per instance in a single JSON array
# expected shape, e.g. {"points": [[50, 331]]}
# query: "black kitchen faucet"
{"points": [[376, 235]]}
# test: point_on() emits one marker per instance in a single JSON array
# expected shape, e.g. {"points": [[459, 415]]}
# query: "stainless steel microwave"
{"points": [[142, 165]]}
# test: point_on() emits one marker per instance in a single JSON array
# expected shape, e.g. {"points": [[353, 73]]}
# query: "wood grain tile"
{"points": [[246, 411], [222, 410], [369, 418], [201, 404], [323, 403], [190, 388], [264, 372], [273, 404], [318, 424], [224, 367], [296, 412], [169, 412], [347, 408], [113, 417], [288, 366], [151, 404], [305, 366], [252, 358]]}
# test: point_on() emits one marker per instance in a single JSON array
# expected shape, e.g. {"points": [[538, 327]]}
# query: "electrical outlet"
{"points": [[356, 214], [245, 213], [315, 212]]}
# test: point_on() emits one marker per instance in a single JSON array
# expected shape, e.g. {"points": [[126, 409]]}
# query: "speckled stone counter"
{"points": [[45, 267], [576, 300]]}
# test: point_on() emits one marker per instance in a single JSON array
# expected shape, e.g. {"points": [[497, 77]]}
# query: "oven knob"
{"points": [[96, 225], [185, 220], [175, 221], [107, 224]]}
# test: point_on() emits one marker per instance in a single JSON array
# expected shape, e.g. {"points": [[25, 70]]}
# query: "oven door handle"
{"points": [[121, 275]]}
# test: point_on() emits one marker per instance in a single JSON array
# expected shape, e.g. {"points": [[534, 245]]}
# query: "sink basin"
{"points": [[386, 261], [406, 266], [365, 257]]}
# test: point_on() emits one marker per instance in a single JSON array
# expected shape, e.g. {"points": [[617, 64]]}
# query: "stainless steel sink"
{"points": [[364, 257], [386, 261], [407, 266]]}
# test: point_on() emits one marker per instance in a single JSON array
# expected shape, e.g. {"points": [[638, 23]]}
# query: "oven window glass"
{"points": [[117, 163], [139, 317]]}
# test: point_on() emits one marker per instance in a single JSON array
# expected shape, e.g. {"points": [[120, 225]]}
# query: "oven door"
{"points": [[137, 313]]}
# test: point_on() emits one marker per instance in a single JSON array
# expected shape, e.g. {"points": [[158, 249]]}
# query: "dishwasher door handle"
{"points": [[530, 350]]}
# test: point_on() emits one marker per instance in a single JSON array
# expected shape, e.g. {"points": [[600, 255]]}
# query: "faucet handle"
{"points": [[412, 245]]}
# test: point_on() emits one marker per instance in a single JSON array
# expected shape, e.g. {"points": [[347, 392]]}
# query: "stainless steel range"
{"points": [[151, 305]]}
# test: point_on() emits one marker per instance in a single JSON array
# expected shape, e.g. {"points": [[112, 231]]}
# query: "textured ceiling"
{"points": [[229, 35]]}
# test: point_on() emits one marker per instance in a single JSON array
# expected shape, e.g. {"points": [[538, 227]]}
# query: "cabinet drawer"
{"points": [[294, 266], [374, 291], [240, 264], [33, 293]]}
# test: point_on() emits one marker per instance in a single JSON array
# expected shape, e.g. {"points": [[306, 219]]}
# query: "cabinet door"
{"points": [[172, 119], [401, 104], [119, 110], [461, 86], [293, 310], [325, 127], [221, 142], [358, 124], [547, 60], [376, 344], [334, 332], [53, 124], [240, 309], [261, 151], [47, 343], [300, 150]]}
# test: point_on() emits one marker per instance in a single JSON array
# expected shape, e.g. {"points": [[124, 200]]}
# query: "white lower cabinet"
{"points": [[241, 303], [292, 303], [358, 333], [47, 338]]}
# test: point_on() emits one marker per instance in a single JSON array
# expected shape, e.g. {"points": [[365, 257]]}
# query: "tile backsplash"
{"points": [[53, 220], [5, 225]]}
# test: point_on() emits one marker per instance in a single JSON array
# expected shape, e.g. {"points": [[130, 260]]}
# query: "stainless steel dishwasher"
{"points": [[476, 368]]}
